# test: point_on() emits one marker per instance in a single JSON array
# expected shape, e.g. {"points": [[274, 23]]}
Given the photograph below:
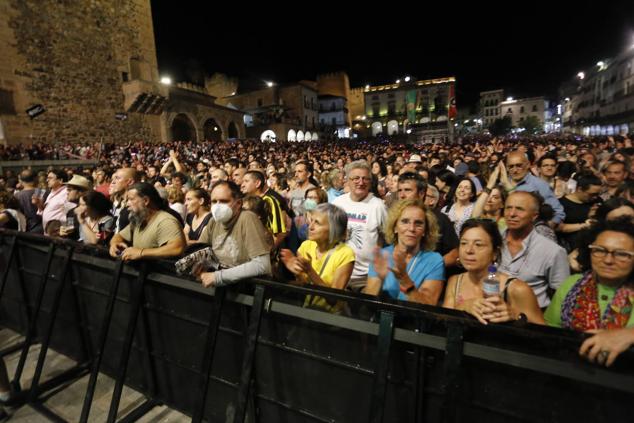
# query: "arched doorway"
{"points": [[183, 129], [377, 128], [212, 130], [268, 135], [308, 136], [292, 135], [300, 136], [392, 127], [232, 131]]}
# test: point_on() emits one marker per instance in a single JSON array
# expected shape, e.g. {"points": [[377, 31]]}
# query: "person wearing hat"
{"points": [[77, 185], [413, 161]]}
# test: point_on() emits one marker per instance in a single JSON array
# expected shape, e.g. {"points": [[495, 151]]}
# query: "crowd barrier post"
{"points": [[48, 331], [248, 359], [453, 360], [137, 291], [32, 328], [14, 257], [379, 389], [101, 342], [420, 357], [5, 273], [208, 355]]}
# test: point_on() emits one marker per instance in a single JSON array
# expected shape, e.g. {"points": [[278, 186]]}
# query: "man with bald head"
{"points": [[121, 181], [526, 254], [518, 168]]}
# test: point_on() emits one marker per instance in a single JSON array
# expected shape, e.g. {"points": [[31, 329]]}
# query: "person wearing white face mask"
{"points": [[237, 238]]}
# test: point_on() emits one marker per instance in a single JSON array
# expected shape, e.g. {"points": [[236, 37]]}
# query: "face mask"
{"points": [[310, 204], [222, 213]]}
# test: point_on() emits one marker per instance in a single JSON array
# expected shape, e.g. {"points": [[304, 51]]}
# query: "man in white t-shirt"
{"points": [[366, 216]]}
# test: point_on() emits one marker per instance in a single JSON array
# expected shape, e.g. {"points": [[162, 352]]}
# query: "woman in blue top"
{"points": [[408, 269]]}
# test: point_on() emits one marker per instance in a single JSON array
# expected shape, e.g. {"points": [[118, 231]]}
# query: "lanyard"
{"points": [[323, 266]]}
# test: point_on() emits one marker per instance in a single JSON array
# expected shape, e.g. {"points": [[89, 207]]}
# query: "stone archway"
{"points": [[212, 130], [392, 127], [377, 128], [268, 135], [300, 135], [232, 131], [292, 135], [183, 128]]}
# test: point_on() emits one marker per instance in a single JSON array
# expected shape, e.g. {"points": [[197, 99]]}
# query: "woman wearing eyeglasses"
{"points": [[408, 269], [600, 300]]}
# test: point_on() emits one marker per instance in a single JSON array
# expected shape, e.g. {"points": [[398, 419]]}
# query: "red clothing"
{"points": [[104, 189]]}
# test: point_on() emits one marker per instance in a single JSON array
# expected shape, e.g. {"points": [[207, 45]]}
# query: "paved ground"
{"points": [[67, 403]]}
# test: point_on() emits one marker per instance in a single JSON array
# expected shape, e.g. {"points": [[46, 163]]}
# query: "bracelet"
{"points": [[488, 190]]}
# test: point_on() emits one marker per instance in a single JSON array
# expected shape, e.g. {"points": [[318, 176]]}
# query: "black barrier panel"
{"points": [[311, 366]]}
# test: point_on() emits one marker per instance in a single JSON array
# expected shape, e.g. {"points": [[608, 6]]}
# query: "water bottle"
{"points": [[491, 284]]}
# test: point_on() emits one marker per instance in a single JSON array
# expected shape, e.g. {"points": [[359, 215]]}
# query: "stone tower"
{"points": [[83, 62], [336, 83]]}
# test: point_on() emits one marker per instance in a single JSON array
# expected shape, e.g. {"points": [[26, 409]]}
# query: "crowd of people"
{"points": [[551, 217]]}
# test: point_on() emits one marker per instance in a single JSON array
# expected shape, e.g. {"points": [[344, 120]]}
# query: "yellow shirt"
{"points": [[341, 255]]}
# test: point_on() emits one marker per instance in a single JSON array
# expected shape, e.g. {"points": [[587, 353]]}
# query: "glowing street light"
{"points": [[367, 87], [581, 75], [398, 81], [269, 84], [166, 80], [509, 98], [407, 78]]}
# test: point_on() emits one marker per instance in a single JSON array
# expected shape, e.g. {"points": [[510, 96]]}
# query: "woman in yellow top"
{"points": [[324, 259]]}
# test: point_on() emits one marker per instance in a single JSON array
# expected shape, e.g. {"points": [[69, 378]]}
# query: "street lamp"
{"points": [[581, 75], [166, 80], [269, 84]]}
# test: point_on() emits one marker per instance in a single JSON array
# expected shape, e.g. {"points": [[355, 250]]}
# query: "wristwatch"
{"points": [[522, 318]]}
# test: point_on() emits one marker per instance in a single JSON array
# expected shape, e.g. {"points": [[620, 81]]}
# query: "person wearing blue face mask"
{"points": [[312, 198], [237, 237]]}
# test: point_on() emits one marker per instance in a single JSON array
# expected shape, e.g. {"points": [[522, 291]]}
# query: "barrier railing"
{"points": [[253, 352]]}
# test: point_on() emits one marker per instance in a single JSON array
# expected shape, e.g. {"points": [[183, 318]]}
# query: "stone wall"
{"points": [[72, 57]]}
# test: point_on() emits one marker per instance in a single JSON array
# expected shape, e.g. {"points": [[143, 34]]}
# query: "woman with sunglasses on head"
{"points": [[480, 244], [600, 300]]}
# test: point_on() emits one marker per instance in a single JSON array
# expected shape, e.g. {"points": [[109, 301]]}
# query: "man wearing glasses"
{"points": [[522, 180], [366, 216]]}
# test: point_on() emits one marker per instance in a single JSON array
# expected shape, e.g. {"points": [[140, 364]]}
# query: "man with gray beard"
{"points": [[152, 231]]}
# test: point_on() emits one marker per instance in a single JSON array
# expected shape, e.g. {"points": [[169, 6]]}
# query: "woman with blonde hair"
{"points": [[408, 269]]}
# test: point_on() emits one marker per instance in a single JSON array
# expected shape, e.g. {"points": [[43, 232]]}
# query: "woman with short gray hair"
{"points": [[324, 259]]}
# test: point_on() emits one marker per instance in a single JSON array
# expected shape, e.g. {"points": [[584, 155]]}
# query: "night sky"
{"points": [[527, 48]]}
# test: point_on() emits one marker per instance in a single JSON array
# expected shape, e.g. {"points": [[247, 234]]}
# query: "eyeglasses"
{"points": [[359, 178], [619, 255]]}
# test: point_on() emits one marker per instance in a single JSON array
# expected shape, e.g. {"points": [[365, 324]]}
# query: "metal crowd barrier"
{"points": [[252, 352]]}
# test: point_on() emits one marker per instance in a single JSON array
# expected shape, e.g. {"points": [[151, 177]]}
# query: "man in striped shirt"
{"points": [[254, 183]]}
